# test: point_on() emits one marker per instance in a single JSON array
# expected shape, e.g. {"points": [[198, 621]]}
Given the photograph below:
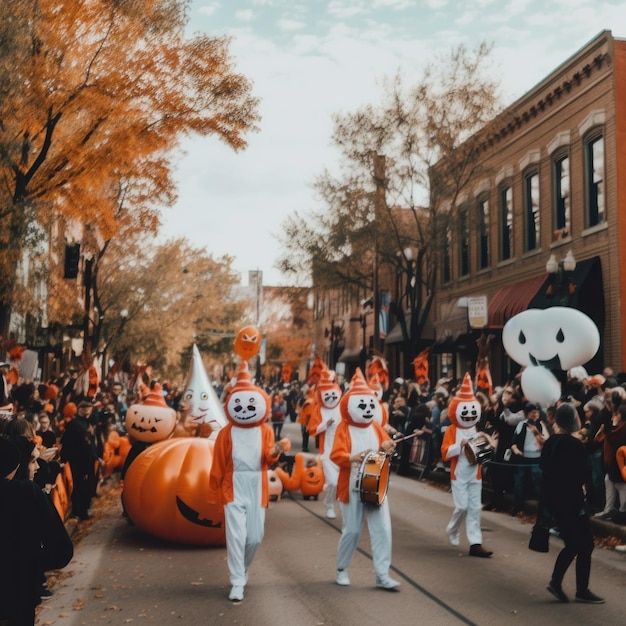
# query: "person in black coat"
{"points": [[564, 463], [78, 447], [33, 539]]}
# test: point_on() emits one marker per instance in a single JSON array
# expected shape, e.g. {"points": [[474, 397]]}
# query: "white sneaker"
{"points": [[236, 593], [453, 538], [342, 578], [330, 512], [386, 582]]}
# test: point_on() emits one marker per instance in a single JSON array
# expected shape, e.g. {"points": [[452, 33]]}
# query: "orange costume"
{"points": [[243, 450], [464, 412], [357, 434]]}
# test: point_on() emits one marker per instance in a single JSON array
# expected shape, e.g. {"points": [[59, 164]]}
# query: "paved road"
{"points": [[121, 576]]}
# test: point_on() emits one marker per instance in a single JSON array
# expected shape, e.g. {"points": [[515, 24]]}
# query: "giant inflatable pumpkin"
{"points": [[165, 491]]}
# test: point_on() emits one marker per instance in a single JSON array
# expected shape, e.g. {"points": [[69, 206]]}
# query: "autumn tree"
{"points": [[156, 300], [404, 166], [99, 95]]}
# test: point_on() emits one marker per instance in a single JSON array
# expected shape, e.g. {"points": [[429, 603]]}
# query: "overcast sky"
{"points": [[309, 59]]}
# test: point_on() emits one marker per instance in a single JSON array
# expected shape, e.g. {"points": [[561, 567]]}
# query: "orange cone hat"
{"points": [[155, 397]]}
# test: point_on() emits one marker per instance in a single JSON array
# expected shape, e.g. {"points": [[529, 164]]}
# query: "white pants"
{"points": [[379, 527], [244, 533], [467, 505], [331, 475]]}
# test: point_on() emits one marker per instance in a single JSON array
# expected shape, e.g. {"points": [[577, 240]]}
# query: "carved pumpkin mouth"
{"points": [[193, 516], [141, 429]]}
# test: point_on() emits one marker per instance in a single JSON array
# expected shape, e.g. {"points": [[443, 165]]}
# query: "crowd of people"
{"points": [[61, 422]]}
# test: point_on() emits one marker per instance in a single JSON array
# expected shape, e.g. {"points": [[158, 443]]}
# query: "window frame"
{"points": [[506, 209], [589, 140], [531, 216], [464, 264], [483, 232], [561, 229]]}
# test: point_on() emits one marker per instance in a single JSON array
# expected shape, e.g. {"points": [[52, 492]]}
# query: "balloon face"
{"points": [[247, 342], [364, 408], [540, 385], [165, 492], [247, 407], [150, 423], [557, 338], [467, 413]]}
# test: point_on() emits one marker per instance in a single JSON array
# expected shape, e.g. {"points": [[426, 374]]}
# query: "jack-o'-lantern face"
{"points": [[247, 407], [364, 408], [466, 414], [149, 423], [247, 342]]}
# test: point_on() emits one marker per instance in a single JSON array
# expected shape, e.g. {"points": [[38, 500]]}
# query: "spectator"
{"points": [[612, 437], [563, 465], [279, 410], [595, 468], [508, 414], [79, 449], [48, 436], [528, 440], [33, 539]]}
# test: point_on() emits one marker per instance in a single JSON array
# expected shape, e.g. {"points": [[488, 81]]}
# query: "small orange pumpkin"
{"points": [[165, 492]]}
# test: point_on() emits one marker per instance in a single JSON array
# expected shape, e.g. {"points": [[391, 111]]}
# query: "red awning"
{"points": [[513, 299]]}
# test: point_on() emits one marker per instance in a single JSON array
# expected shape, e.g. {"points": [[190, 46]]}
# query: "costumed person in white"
{"points": [[358, 434], [464, 412], [323, 424], [244, 449]]}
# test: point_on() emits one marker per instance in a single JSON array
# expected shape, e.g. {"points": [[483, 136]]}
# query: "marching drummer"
{"points": [[464, 412], [358, 435]]}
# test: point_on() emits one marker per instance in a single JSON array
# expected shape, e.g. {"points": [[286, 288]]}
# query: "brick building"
{"points": [[554, 181]]}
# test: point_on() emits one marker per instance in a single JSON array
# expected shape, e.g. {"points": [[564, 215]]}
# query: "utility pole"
{"points": [[380, 181]]}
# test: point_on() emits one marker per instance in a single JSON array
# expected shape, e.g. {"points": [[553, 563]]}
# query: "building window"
{"points": [[464, 251], [562, 216], [483, 233], [506, 222], [594, 181], [531, 211], [446, 270]]}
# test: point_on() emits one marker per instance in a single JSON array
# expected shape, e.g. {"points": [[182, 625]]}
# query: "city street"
{"points": [[119, 575]]}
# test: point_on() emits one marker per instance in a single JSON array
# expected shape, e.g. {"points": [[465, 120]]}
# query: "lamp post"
{"points": [[561, 284]]}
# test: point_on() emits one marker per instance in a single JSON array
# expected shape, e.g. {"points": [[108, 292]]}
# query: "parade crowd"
{"points": [[65, 420]]}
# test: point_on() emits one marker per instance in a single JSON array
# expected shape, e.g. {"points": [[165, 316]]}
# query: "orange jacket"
{"points": [[449, 438], [342, 451], [221, 479]]}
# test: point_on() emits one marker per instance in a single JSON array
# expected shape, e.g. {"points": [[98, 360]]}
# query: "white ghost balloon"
{"points": [[540, 385], [557, 338], [204, 405]]}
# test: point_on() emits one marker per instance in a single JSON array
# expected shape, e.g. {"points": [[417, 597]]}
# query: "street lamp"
{"points": [[561, 283]]}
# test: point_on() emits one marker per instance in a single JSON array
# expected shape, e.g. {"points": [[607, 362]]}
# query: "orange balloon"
{"points": [[248, 342], [165, 492]]}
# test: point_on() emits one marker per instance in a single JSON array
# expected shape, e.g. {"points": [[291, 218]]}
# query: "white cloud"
{"points": [[209, 9], [290, 25], [247, 15]]}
